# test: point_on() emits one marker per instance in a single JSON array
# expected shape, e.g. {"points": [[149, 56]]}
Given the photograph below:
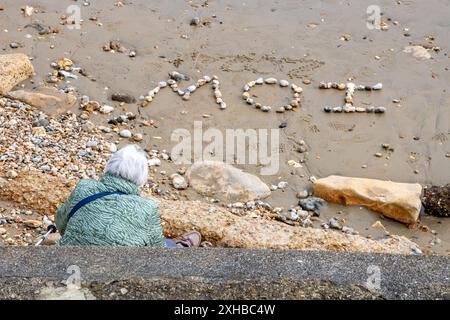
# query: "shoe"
{"points": [[191, 239]]}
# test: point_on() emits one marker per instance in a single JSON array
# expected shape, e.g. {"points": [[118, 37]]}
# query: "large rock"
{"points": [[399, 201], [225, 182], [44, 194], [14, 68], [47, 99]]}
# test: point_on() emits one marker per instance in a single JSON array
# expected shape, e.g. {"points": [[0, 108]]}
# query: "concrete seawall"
{"points": [[136, 273]]}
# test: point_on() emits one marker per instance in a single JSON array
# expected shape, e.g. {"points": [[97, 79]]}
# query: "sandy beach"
{"points": [[304, 42]]}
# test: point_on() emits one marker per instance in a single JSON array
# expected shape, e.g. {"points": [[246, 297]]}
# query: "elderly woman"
{"points": [[111, 212]]}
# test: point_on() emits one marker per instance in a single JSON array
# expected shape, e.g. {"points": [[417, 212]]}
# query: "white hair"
{"points": [[129, 163]]}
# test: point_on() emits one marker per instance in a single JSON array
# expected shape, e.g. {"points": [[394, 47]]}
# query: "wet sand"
{"points": [[288, 40]]}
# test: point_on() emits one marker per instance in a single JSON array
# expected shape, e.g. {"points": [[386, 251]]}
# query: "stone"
{"points": [[11, 174], [47, 99], [113, 148], [335, 224], [312, 204], [271, 81], [399, 201], [154, 162], [106, 109], [302, 194], [138, 137], [283, 83], [282, 185], [179, 182], [33, 224], [223, 181], [123, 97], [14, 68], [418, 52], [125, 134]]}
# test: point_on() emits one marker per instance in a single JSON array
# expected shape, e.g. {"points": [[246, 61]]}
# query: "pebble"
{"points": [[306, 81], [266, 108], [283, 185], [125, 134], [302, 194], [192, 88], [138, 137], [11, 174], [259, 81], [92, 143], [154, 162], [312, 204], [106, 109], [271, 81], [113, 148], [335, 224], [307, 223], [179, 182], [162, 84], [123, 97], [284, 83], [13, 45], [195, 21]]}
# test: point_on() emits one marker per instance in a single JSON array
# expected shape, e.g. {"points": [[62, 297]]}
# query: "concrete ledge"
{"points": [[146, 273]]}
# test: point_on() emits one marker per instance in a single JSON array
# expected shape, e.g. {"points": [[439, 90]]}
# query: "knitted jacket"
{"points": [[114, 220]]}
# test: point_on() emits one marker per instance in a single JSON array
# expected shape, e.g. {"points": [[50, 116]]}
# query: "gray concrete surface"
{"points": [[136, 273]]}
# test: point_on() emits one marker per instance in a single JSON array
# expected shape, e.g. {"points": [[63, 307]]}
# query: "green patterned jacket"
{"points": [[114, 220]]}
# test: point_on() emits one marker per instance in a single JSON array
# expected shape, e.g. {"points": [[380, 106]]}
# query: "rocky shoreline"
{"points": [[53, 134]]}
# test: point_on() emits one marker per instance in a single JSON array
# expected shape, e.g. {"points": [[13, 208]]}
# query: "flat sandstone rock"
{"points": [[47, 99], [14, 68], [399, 201], [223, 181]]}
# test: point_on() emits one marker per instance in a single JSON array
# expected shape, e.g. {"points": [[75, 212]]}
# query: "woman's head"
{"points": [[129, 163]]}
